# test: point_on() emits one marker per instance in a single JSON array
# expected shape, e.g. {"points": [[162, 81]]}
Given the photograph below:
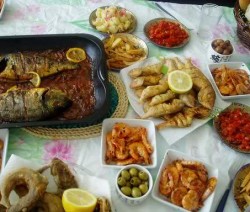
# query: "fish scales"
{"points": [[31, 105], [16, 66]]}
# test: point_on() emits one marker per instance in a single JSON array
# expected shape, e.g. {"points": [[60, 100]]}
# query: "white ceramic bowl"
{"points": [[170, 156], [131, 200], [107, 126], [4, 136], [215, 57], [233, 65]]}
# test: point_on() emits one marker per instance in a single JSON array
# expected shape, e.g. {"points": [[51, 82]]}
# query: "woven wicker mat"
{"points": [[120, 111]]}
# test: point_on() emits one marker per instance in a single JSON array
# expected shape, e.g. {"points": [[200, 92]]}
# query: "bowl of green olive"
{"points": [[133, 184]]}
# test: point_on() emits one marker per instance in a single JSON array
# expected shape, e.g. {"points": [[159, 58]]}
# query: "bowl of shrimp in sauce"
{"points": [[128, 141], [185, 183]]}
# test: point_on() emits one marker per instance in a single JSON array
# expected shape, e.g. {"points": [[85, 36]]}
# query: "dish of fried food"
{"points": [[231, 81], [113, 19], [185, 183], [127, 144], [123, 50], [31, 188], [151, 87], [241, 187]]}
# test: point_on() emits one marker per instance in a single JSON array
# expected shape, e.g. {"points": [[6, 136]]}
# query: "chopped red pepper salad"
{"points": [[235, 127], [167, 33]]}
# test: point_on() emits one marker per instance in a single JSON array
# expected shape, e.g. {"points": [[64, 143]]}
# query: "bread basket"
{"points": [[243, 27]]}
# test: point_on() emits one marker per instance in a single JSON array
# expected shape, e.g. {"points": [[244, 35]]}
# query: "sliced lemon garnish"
{"points": [[78, 200], [36, 79], [179, 81], [76, 55]]}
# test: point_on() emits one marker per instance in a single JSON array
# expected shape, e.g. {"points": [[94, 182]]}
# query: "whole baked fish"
{"points": [[15, 66], [18, 105]]}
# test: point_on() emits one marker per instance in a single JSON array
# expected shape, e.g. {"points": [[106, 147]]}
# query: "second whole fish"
{"points": [[17, 105]]}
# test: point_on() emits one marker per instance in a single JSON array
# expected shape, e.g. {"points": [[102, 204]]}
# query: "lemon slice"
{"points": [[36, 79], [179, 81], [78, 200], [76, 55]]}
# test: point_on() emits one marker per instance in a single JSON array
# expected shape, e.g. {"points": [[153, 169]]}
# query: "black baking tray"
{"points": [[95, 50]]}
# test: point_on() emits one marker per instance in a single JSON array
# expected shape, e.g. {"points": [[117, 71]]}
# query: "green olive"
{"points": [[121, 181], [126, 190], [143, 175], [143, 188], [145, 182], [135, 181], [133, 172], [136, 192], [125, 174], [128, 184]]}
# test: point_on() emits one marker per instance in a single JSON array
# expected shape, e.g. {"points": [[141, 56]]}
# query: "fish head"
{"points": [[56, 99]]}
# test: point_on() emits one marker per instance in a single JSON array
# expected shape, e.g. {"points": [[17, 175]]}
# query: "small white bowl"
{"points": [[107, 126], [215, 57], [232, 65], [2, 9], [170, 156], [4, 136], [132, 200]]}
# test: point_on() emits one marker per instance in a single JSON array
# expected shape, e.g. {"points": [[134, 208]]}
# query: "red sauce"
{"points": [[78, 85], [235, 127], [167, 34]]}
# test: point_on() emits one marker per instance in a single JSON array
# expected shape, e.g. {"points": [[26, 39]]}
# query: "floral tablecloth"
{"points": [[29, 17]]}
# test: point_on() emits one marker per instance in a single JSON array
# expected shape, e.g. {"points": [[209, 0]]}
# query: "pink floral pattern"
{"points": [[60, 149], [38, 29]]}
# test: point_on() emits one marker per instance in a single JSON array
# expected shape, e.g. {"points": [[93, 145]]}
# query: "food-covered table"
{"points": [[63, 17]]}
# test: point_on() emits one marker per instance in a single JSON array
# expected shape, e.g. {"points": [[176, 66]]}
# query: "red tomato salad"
{"points": [[168, 34], [235, 127]]}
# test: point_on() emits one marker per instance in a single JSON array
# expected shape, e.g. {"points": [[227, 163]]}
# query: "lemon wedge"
{"points": [[36, 79], [179, 81], [76, 55], [78, 200]]}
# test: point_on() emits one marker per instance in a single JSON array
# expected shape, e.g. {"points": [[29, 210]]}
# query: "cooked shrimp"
{"points": [[125, 162], [110, 153], [191, 201], [198, 186], [121, 155], [169, 179], [187, 176], [120, 130], [145, 141], [137, 150], [212, 182], [178, 194]]}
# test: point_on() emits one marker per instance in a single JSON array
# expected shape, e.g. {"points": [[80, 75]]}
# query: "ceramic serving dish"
{"points": [[134, 41], [217, 126], [107, 126], [170, 156], [149, 24], [215, 57], [231, 65], [134, 200], [241, 181], [131, 29]]}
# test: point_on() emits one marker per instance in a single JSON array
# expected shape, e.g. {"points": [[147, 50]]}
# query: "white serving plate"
{"points": [[4, 135], [107, 126], [169, 157], [171, 135], [233, 65]]}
